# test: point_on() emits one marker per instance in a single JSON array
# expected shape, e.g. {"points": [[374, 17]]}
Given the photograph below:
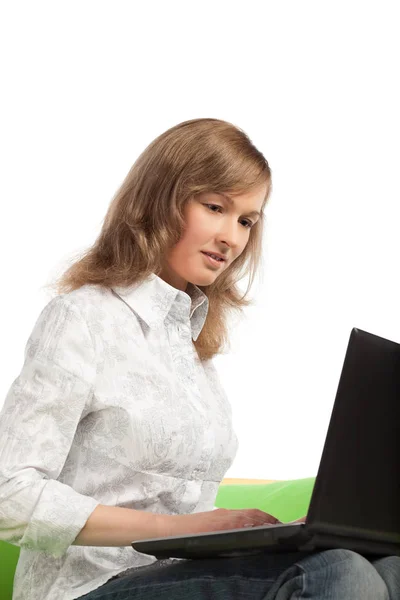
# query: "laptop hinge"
{"points": [[362, 546], [353, 532]]}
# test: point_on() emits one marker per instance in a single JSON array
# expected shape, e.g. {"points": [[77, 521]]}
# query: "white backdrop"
{"points": [[88, 84]]}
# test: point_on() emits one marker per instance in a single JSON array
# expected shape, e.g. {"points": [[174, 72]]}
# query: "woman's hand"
{"points": [[214, 520]]}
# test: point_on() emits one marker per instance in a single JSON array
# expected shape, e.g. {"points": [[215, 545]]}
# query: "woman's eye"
{"points": [[248, 225], [213, 206]]}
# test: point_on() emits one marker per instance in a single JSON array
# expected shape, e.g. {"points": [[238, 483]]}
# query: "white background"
{"points": [[88, 84]]}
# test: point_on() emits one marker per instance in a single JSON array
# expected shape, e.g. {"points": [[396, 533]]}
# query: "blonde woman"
{"points": [[118, 428]]}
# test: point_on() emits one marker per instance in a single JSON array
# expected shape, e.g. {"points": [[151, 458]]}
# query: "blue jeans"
{"points": [[327, 575]]}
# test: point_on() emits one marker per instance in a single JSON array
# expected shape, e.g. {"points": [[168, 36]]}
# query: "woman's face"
{"points": [[213, 224]]}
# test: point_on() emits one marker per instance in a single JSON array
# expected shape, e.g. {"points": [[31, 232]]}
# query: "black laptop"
{"points": [[355, 502]]}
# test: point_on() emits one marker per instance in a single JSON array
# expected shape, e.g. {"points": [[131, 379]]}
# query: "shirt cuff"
{"points": [[58, 518]]}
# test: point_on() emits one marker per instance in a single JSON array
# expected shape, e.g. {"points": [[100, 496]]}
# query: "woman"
{"points": [[117, 428]]}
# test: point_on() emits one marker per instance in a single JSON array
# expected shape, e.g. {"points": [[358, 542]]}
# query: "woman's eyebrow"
{"points": [[253, 212]]}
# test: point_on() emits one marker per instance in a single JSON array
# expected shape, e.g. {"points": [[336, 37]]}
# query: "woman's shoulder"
{"points": [[88, 293], [81, 307], [87, 298]]}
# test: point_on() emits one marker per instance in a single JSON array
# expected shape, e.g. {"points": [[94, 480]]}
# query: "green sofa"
{"points": [[285, 500]]}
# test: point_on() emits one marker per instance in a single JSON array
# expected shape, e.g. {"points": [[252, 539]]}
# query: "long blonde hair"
{"points": [[145, 217]]}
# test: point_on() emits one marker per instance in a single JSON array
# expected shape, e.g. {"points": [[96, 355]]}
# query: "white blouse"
{"points": [[112, 406]]}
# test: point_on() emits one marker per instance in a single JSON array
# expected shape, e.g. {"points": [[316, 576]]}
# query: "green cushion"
{"points": [[8, 562], [285, 500]]}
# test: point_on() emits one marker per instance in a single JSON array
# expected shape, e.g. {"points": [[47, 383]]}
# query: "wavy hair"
{"points": [[145, 217]]}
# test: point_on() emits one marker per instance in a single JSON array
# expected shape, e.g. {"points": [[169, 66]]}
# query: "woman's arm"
{"points": [[116, 526], [38, 422]]}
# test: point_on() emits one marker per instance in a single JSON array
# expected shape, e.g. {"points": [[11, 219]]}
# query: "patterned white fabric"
{"points": [[112, 406]]}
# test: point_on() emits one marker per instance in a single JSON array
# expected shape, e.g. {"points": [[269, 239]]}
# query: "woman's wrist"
{"points": [[163, 525], [148, 525]]}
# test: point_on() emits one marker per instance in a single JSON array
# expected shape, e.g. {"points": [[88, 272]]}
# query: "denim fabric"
{"points": [[328, 575]]}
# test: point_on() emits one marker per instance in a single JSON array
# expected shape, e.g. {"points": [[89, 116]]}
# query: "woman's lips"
{"points": [[213, 261]]}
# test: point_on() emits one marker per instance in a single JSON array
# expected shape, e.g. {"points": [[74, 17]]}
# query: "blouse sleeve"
{"points": [[37, 425]]}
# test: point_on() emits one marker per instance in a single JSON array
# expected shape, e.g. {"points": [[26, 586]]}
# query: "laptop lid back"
{"points": [[357, 489]]}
